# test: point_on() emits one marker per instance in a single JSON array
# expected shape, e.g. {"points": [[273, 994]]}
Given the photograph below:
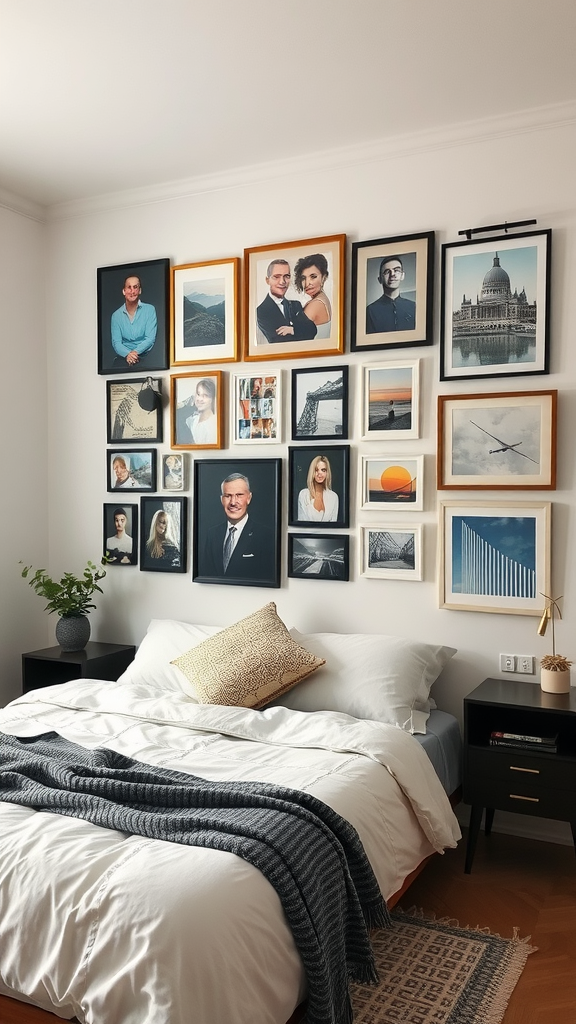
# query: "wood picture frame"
{"points": [[495, 319], [133, 319], [392, 292], [332, 464], [131, 469], [499, 441], [163, 534], [319, 556], [226, 491], [319, 403], [120, 533], [134, 410], [390, 552], [256, 408], [205, 312], [494, 556], [307, 271], [392, 483], [390, 400], [197, 410]]}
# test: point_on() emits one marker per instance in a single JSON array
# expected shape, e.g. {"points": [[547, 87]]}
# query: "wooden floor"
{"points": [[514, 882]]}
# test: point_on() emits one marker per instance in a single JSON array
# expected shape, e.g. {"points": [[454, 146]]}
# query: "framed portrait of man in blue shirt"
{"points": [[133, 315]]}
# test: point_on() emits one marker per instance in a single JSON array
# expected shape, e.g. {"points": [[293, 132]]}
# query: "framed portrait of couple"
{"points": [[294, 298]]}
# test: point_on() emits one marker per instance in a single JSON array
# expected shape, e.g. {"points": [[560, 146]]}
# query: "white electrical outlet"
{"points": [[525, 664], [507, 663]]}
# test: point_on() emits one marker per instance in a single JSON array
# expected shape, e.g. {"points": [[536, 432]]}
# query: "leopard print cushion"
{"points": [[248, 664]]}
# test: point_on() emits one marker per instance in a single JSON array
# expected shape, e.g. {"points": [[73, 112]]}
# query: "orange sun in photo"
{"points": [[396, 480]]}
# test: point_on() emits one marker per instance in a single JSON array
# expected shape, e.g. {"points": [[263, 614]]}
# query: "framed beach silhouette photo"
{"points": [[390, 400]]}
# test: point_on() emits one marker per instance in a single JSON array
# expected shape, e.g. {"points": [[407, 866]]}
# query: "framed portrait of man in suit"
{"points": [[294, 299], [236, 533]]}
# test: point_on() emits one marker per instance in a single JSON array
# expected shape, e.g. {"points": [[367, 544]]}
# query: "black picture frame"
{"points": [[319, 556], [256, 558], [173, 558], [337, 507], [495, 318], [134, 410], [409, 319], [154, 277], [132, 470], [120, 548], [317, 389]]}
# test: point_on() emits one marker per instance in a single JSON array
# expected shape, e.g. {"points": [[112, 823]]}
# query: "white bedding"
{"points": [[116, 929]]}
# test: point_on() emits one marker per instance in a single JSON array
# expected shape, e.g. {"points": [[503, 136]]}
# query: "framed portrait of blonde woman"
{"points": [[294, 298], [163, 534], [196, 410]]}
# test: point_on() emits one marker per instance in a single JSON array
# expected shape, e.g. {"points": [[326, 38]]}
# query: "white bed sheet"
{"points": [[116, 929]]}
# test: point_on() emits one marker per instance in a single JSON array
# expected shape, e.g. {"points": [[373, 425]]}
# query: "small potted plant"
{"points": [[555, 668], [71, 599]]}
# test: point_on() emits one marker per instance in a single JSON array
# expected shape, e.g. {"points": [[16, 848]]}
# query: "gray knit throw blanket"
{"points": [[311, 855]]}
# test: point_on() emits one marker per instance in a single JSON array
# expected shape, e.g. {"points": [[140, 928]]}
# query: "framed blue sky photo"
{"points": [[495, 556]]}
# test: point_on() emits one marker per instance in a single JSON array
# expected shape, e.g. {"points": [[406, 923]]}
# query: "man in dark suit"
{"points": [[279, 318], [240, 549], [391, 312]]}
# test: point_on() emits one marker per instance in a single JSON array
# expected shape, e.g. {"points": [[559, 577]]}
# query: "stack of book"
{"points": [[521, 742]]}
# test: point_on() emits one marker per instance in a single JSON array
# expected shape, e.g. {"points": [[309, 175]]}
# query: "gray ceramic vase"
{"points": [[73, 632]]}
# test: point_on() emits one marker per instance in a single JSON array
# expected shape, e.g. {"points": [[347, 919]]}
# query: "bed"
{"points": [[115, 928]]}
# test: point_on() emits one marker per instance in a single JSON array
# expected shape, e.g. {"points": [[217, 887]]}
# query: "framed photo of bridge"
{"points": [[391, 552], [497, 442], [495, 319], [318, 556], [320, 403], [494, 556]]}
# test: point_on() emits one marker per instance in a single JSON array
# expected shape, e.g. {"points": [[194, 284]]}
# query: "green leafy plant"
{"points": [[72, 595]]}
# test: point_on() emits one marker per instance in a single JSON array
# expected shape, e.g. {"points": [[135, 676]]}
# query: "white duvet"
{"points": [[116, 929]]}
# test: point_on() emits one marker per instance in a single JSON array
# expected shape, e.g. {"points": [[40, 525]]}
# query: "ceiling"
{"points": [[99, 96]]}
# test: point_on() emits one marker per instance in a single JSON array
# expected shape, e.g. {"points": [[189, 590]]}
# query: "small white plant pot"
{"points": [[555, 682]]}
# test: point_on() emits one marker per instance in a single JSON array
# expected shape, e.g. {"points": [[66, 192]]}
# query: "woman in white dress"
{"points": [[202, 422], [317, 502]]}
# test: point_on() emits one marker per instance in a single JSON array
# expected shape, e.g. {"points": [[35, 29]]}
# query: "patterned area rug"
{"points": [[434, 973]]}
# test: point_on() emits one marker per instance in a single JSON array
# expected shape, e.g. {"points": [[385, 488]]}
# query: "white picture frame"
{"points": [[389, 400], [390, 552], [391, 483]]}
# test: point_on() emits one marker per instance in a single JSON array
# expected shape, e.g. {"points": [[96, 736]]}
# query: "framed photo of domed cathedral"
{"points": [[496, 307]]}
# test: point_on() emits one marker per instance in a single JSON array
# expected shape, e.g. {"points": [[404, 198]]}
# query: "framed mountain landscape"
{"points": [[204, 312]]}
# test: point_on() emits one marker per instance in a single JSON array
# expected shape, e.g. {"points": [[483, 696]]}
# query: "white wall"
{"points": [[443, 188], [23, 452]]}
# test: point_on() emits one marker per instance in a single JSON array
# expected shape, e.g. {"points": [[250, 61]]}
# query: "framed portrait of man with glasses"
{"points": [[392, 292]]}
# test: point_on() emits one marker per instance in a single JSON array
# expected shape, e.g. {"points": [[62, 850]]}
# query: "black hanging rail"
{"points": [[497, 227]]}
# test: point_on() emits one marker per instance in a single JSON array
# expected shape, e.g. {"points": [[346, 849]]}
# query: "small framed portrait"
{"points": [[392, 483], [133, 410], [174, 471], [495, 556], [319, 556], [204, 312], [237, 508], [197, 410], [120, 533], [320, 403], [390, 400], [392, 292], [163, 540], [133, 304], [294, 298], [131, 470], [257, 408], [391, 552], [319, 485], [495, 319], [497, 442]]}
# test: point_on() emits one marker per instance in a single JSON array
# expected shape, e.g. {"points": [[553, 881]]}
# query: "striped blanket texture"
{"points": [[312, 856]]}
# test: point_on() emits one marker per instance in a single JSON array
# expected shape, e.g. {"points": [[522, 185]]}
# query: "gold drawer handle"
{"points": [[531, 771], [532, 799]]}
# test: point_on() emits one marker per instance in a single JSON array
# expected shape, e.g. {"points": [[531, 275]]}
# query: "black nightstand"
{"points": [[526, 781], [53, 665]]}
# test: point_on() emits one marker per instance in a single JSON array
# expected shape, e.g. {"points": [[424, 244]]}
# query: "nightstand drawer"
{"points": [[498, 764], [524, 795]]}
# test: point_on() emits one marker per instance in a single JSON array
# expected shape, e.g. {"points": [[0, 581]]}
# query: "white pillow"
{"points": [[165, 640], [382, 678]]}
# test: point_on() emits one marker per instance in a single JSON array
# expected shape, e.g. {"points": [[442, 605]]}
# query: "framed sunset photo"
{"points": [[389, 400]]}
